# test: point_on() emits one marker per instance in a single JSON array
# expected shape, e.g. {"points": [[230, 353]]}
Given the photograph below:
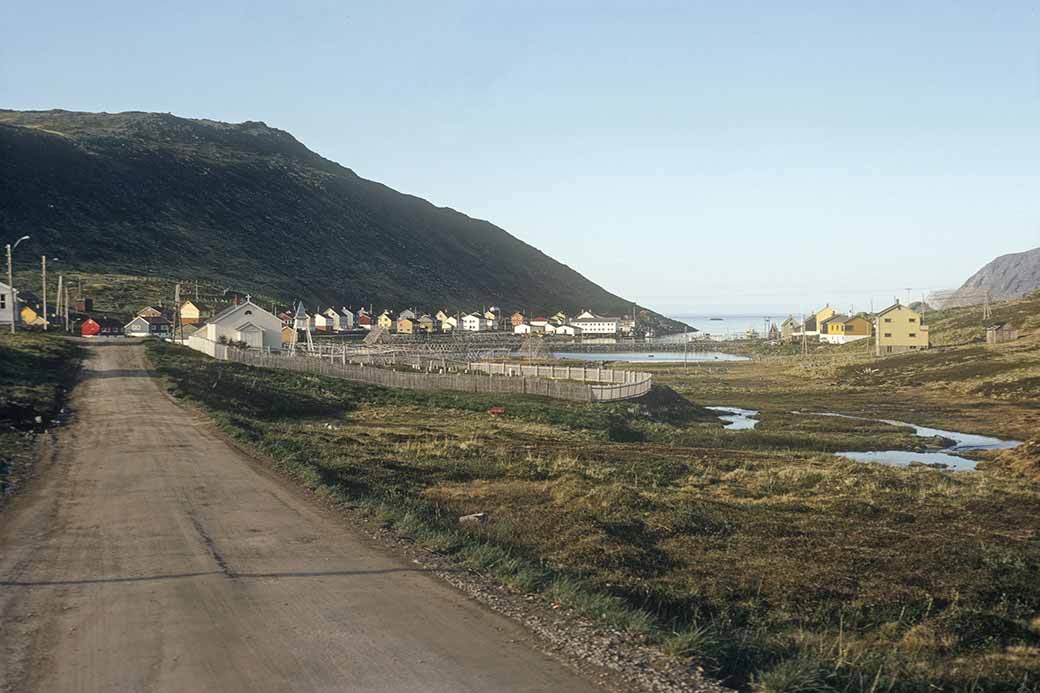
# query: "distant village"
{"points": [[195, 315], [895, 329]]}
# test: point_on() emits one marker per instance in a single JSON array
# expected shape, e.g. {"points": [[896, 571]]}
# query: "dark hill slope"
{"points": [[146, 193]]}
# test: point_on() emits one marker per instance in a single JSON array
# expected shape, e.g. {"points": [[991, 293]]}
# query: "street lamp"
{"points": [[10, 280]]}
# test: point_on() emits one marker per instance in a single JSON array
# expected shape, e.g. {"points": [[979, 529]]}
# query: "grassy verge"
{"points": [[36, 369], [775, 566]]}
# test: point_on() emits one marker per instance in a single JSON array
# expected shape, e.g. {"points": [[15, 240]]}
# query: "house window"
{"points": [[912, 319], [888, 334], [913, 334], [3, 300], [249, 312]]}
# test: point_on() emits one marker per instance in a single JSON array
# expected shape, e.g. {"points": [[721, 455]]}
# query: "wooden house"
{"points": [[1001, 332], [194, 312], [148, 326], [406, 325], [897, 329]]}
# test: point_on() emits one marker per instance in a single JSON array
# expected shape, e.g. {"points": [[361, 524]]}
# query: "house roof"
{"points": [[230, 310], [834, 318], [595, 318], [894, 306], [998, 326], [198, 304]]}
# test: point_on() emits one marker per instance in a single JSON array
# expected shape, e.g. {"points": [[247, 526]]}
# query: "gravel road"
{"points": [[151, 556]]}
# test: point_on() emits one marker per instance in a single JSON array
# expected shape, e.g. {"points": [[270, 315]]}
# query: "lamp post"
{"points": [[10, 280]]}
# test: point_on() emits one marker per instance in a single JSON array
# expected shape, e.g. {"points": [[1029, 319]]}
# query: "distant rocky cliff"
{"points": [[1009, 276]]}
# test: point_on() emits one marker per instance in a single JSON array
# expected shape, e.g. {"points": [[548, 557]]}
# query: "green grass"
{"points": [[773, 565], [36, 369]]}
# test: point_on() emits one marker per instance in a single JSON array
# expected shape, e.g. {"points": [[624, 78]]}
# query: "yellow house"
{"points": [[385, 321], [30, 317], [425, 324], [441, 316], [287, 335], [842, 329], [405, 325], [898, 328], [825, 313], [193, 312]]}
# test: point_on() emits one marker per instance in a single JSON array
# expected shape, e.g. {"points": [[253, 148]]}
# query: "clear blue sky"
{"points": [[744, 156]]}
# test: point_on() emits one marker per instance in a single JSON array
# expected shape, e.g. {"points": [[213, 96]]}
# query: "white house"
{"points": [[472, 323], [334, 318], [407, 314], [8, 305], [449, 323], [346, 319], [568, 330], [596, 324], [246, 322], [522, 328], [321, 322]]}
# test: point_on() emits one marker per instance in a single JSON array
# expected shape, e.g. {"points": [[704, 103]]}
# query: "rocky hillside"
{"points": [[1009, 276], [151, 194]]}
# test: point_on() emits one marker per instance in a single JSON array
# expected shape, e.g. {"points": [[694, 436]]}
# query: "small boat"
{"points": [[718, 319]]}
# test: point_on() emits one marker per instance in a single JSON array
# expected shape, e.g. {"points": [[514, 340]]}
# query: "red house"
{"points": [[90, 328]]}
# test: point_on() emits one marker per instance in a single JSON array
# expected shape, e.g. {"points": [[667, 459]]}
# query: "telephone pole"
{"points": [[66, 304], [178, 332], [43, 265], [57, 303]]}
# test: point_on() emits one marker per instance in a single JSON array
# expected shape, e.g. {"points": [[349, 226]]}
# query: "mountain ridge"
{"points": [[156, 193], [1012, 275]]}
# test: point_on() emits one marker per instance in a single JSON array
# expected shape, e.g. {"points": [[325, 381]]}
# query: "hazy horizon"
{"points": [[693, 158]]}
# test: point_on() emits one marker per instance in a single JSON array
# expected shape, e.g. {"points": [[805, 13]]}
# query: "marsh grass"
{"points": [[36, 370], [771, 564]]}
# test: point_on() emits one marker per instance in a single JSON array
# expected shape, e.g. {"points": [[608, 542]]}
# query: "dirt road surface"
{"points": [[151, 556]]}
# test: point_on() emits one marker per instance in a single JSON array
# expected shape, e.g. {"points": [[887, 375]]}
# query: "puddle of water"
{"points": [[962, 442], [905, 458], [738, 419]]}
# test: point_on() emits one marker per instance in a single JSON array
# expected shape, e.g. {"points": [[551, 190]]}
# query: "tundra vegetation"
{"points": [[36, 370], [757, 555]]}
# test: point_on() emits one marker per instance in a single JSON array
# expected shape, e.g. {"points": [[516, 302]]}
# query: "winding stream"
{"points": [[948, 457], [737, 419]]}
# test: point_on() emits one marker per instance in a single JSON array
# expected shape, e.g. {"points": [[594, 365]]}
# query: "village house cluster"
{"points": [[895, 329], [411, 321], [198, 316]]}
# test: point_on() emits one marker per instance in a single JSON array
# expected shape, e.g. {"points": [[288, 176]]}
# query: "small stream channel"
{"points": [[737, 419], [948, 457]]}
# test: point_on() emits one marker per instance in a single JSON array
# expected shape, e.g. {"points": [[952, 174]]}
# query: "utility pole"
{"points": [[805, 339], [10, 291], [10, 280], [178, 333], [66, 304], [43, 265], [57, 303], [685, 347]]}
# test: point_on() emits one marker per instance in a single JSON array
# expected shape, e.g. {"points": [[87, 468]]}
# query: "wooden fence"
{"points": [[576, 384]]}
